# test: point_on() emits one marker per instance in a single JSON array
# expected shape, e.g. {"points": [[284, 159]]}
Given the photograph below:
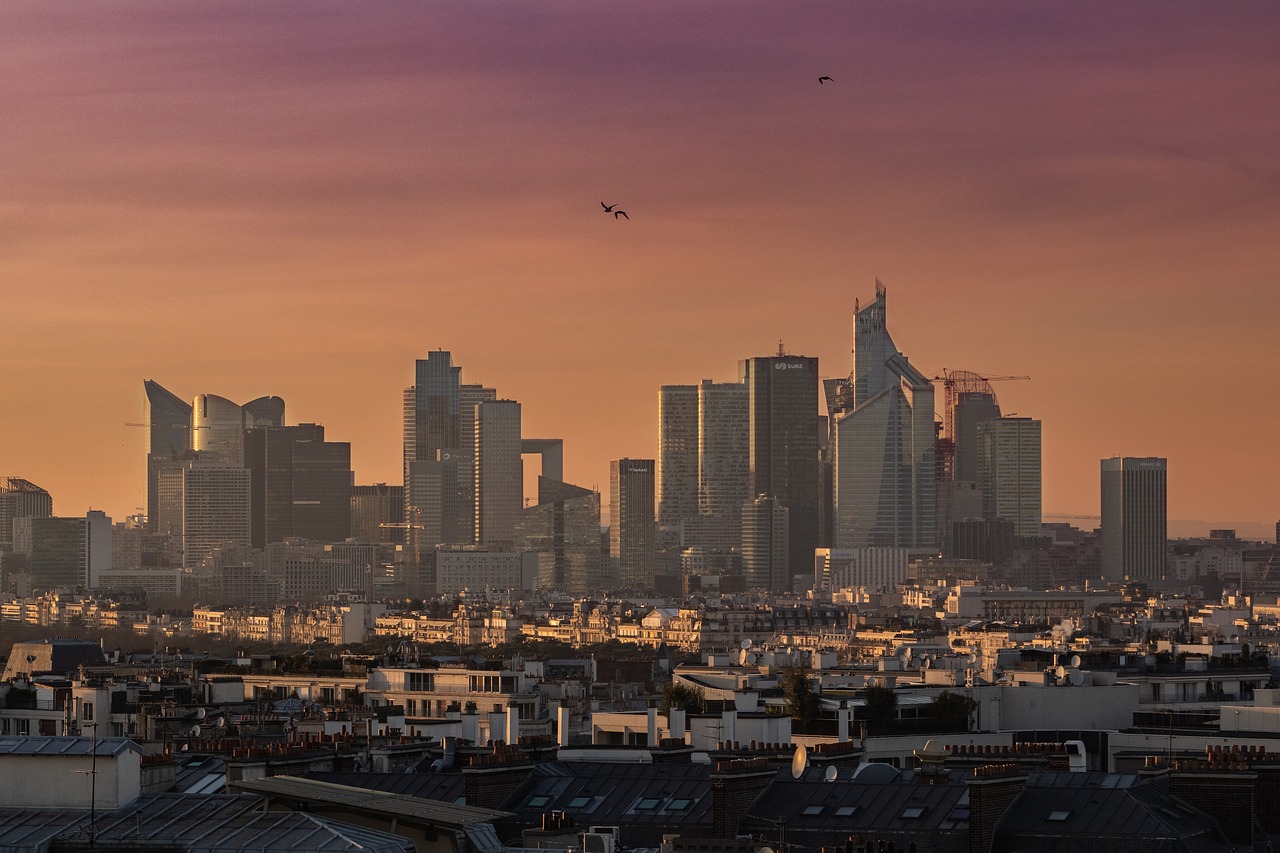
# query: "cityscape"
{"points": [[659, 541]]}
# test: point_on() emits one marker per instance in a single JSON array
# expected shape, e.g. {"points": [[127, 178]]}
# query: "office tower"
{"points": [[301, 484], [64, 552], [218, 425], [884, 489], [784, 461], [677, 477], [20, 498], [564, 530], [970, 400], [766, 558], [631, 526], [550, 453], [1009, 472], [499, 472], [1134, 521], [204, 506], [463, 459], [167, 420], [724, 470], [377, 513]]}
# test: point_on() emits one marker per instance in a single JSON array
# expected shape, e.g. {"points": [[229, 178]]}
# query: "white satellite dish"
{"points": [[746, 644], [1075, 661], [972, 659], [926, 663], [831, 773], [201, 713], [221, 722], [742, 657], [195, 731], [1075, 678], [752, 658], [1061, 672], [799, 762]]}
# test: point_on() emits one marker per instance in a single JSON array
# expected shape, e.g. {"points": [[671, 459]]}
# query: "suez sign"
{"points": [[789, 365]]}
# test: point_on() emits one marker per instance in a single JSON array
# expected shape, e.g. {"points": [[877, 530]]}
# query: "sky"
{"points": [[299, 199]]}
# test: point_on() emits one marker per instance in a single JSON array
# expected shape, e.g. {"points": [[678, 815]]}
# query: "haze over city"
{"points": [[299, 201]]}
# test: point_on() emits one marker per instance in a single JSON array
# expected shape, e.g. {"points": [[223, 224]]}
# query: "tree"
{"points": [[952, 710], [679, 695], [802, 701], [881, 705]]}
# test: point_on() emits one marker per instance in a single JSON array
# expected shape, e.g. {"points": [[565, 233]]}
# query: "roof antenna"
{"points": [[782, 351]]}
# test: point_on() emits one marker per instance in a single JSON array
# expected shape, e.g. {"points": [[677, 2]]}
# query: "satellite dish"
{"points": [[746, 644], [742, 657], [1061, 672], [799, 762], [752, 658], [1075, 678], [1075, 661], [195, 731], [221, 722], [201, 713], [831, 773], [926, 663], [972, 659]]}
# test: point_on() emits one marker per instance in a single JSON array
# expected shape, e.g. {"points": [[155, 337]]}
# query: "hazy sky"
{"points": [[247, 198]]}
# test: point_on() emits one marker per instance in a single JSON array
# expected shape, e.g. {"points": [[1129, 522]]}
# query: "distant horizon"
{"points": [[249, 199]]}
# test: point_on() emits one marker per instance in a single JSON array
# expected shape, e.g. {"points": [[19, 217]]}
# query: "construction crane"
{"points": [[1069, 515], [956, 382]]}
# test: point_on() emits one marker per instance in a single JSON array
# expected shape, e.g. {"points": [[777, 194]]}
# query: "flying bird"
{"points": [[608, 208], [621, 213], [823, 80]]}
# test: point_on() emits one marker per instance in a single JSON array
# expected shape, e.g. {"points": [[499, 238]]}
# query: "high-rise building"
{"points": [[64, 552], [499, 472], [1009, 472], [970, 401], [631, 524], [463, 459], [218, 425], [431, 442], [783, 444], [377, 512], [167, 419], [301, 484], [885, 479], [1134, 518], [205, 507], [20, 498], [677, 477], [564, 530], [724, 470], [766, 559]]}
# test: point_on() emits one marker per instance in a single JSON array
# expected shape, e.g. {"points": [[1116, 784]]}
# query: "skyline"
{"points": [[247, 200]]}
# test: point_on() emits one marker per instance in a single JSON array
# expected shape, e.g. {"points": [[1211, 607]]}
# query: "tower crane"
{"points": [[956, 382]]}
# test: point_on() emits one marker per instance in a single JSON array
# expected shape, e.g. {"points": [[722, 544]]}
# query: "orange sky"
{"points": [[249, 198]]}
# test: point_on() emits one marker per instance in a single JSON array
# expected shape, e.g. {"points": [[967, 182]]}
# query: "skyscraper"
{"points": [[766, 543], [631, 523], [205, 507], [499, 472], [1134, 518], [372, 507], [301, 484], [20, 498], [783, 442], [564, 530], [218, 425], [970, 401], [1008, 451], [677, 477], [432, 491], [724, 471], [64, 552], [884, 490], [167, 420]]}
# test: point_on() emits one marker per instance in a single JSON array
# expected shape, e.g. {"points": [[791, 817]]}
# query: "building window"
{"points": [[912, 813], [812, 810], [86, 712], [1059, 815]]}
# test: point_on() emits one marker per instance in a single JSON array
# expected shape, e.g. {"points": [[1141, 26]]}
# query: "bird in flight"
{"points": [[621, 213], [608, 208], [823, 80]]}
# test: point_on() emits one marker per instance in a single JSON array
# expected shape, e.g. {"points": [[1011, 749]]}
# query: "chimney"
{"points": [[490, 784], [675, 724], [513, 724], [735, 785], [653, 727], [992, 789], [497, 726], [562, 724], [729, 725], [471, 726], [842, 723]]}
